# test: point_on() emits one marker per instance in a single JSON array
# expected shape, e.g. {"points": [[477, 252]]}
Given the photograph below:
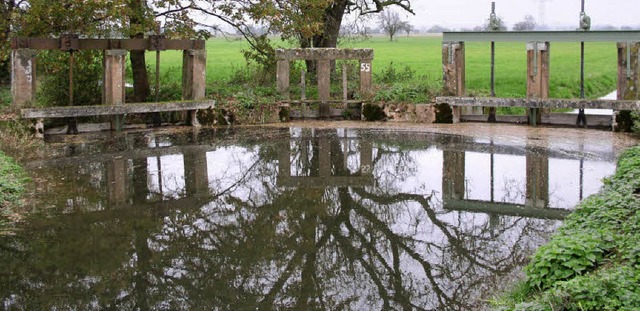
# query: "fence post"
{"points": [[113, 87], [453, 67], [537, 77], [628, 83], [23, 76]]}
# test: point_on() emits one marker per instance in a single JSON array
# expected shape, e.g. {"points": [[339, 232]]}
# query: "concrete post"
{"points": [[366, 78], [537, 180], [453, 183], [194, 78], [453, 67], [628, 82], [324, 87], [282, 77], [537, 77], [23, 76], [113, 87]]}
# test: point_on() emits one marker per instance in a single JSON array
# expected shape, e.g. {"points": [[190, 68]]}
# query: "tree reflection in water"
{"points": [[296, 220]]}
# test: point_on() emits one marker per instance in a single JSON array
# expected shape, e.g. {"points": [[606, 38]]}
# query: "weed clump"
{"points": [[593, 263]]}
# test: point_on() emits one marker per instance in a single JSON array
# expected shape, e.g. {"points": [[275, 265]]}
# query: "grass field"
{"points": [[423, 56]]}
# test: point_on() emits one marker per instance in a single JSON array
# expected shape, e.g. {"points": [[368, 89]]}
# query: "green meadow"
{"points": [[422, 56]]}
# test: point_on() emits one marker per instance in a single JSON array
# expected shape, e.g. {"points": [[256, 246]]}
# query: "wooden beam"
{"points": [[323, 54], [106, 44], [540, 103], [105, 110]]}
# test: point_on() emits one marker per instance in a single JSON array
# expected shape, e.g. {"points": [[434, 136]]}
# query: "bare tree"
{"points": [[391, 23], [528, 24]]}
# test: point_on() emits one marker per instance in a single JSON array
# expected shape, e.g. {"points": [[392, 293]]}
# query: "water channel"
{"points": [[289, 218]]}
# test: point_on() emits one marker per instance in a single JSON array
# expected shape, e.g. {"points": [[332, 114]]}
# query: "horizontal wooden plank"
{"points": [[106, 44], [324, 53], [105, 110], [540, 103]]}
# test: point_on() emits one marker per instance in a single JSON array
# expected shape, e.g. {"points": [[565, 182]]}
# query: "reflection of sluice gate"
{"points": [[324, 162], [536, 205]]}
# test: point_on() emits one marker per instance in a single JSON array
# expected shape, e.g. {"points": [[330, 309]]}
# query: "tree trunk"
{"points": [[141, 88], [329, 37]]}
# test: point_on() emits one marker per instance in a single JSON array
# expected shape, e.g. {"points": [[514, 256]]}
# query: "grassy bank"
{"points": [[12, 188], [593, 262]]}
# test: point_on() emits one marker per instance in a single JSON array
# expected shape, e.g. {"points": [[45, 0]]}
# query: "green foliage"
{"points": [[5, 97], [12, 187], [87, 76], [563, 258], [390, 74], [593, 263], [372, 112]]}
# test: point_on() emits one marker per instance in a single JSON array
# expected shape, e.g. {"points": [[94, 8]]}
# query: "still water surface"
{"points": [[245, 219]]}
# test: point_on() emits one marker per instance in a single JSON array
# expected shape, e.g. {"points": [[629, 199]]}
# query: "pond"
{"points": [[289, 218]]}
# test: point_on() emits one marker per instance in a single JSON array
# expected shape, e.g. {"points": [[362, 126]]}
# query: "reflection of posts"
{"points": [[537, 77], [453, 184], [366, 158], [537, 180], [325, 176], [196, 173], [116, 181]]}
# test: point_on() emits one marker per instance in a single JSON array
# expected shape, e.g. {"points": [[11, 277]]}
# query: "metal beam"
{"points": [[543, 36], [540, 103]]}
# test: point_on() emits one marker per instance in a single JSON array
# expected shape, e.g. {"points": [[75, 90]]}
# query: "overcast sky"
{"points": [[557, 13]]}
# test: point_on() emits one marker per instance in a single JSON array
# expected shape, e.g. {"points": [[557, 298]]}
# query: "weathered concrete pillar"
{"points": [[453, 183], [23, 76], [324, 87], [537, 180], [282, 77], [114, 82], [196, 173], [537, 77], [366, 75], [113, 87], [628, 82], [117, 181], [194, 78], [453, 67]]}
